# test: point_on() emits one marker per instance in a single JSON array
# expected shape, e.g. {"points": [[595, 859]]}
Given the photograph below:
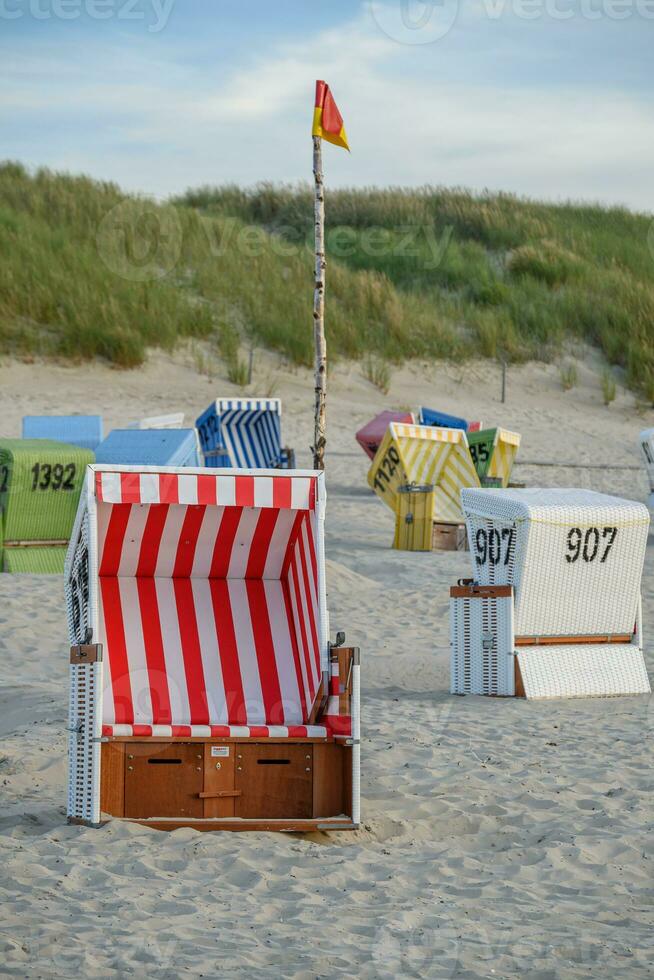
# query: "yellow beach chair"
{"points": [[423, 454]]}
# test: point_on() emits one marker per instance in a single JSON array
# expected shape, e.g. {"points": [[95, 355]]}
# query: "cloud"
{"points": [[444, 113]]}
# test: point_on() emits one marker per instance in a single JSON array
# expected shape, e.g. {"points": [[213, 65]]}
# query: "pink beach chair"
{"points": [[371, 435]]}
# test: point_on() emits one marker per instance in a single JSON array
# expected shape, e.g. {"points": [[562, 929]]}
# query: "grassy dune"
{"points": [[511, 277], [86, 271]]}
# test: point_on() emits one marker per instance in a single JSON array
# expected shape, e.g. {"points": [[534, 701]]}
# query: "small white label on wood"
{"points": [[220, 751]]}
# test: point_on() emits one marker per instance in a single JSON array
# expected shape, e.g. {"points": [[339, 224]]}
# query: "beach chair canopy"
{"points": [[242, 432], [371, 434], [428, 416], [574, 557], [75, 430], [647, 450], [174, 421], [149, 447], [40, 484], [424, 455], [207, 592], [493, 452]]}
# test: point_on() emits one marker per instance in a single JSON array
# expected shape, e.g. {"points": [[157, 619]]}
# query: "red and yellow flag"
{"points": [[327, 120]]}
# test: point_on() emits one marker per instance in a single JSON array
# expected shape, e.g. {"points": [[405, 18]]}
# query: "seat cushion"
{"points": [[216, 731]]}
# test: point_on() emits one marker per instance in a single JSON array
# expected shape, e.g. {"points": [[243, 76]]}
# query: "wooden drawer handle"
{"points": [[216, 796]]}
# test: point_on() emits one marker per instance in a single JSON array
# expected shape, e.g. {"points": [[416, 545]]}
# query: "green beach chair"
{"points": [[40, 485], [493, 452]]}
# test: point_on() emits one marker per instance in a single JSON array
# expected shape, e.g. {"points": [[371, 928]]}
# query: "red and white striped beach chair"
{"points": [[204, 691]]}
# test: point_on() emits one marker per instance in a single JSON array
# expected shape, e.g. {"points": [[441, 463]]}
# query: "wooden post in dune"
{"points": [[327, 125], [320, 344]]}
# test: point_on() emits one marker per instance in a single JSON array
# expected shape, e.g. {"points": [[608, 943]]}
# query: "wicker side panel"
{"points": [[76, 587], [481, 646], [84, 742], [647, 450]]}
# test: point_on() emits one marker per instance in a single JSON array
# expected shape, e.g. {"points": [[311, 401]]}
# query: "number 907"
{"points": [[493, 546], [591, 544]]}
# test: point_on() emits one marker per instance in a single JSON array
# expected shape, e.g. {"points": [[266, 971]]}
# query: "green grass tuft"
{"points": [[569, 376], [608, 386], [378, 373]]}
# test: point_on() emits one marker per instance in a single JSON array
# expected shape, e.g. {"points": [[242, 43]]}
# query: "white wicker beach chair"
{"points": [[173, 421], [554, 607], [204, 691], [647, 450]]}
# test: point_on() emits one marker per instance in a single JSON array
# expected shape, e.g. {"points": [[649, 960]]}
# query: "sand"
{"points": [[500, 838]]}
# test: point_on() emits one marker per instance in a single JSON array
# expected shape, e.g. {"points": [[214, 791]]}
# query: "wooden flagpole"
{"points": [[319, 439]]}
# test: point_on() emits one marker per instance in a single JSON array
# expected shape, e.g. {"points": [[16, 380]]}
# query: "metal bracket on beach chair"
{"points": [[86, 653]]}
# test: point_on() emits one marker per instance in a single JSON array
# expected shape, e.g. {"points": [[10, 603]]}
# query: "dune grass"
{"points": [[517, 277], [87, 271]]}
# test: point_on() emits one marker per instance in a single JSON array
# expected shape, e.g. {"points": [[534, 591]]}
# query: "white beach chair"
{"points": [[173, 421], [204, 691], [647, 450], [554, 609]]}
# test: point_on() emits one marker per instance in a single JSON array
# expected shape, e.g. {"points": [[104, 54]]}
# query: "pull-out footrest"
{"points": [[581, 671]]}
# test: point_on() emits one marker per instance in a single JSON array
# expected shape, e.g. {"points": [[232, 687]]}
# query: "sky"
{"points": [[553, 99]]}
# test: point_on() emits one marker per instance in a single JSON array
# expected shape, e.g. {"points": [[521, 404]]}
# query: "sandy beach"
{"points": [[499, 837]]}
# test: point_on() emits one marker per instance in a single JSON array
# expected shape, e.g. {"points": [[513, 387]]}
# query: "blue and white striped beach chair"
{"points": [[244, 433], [150, 447], [76, 430]]}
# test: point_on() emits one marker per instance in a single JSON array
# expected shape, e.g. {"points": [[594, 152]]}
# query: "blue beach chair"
{"points": [[150, 447], [441, 419], [244, 433], [76, 430]]}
